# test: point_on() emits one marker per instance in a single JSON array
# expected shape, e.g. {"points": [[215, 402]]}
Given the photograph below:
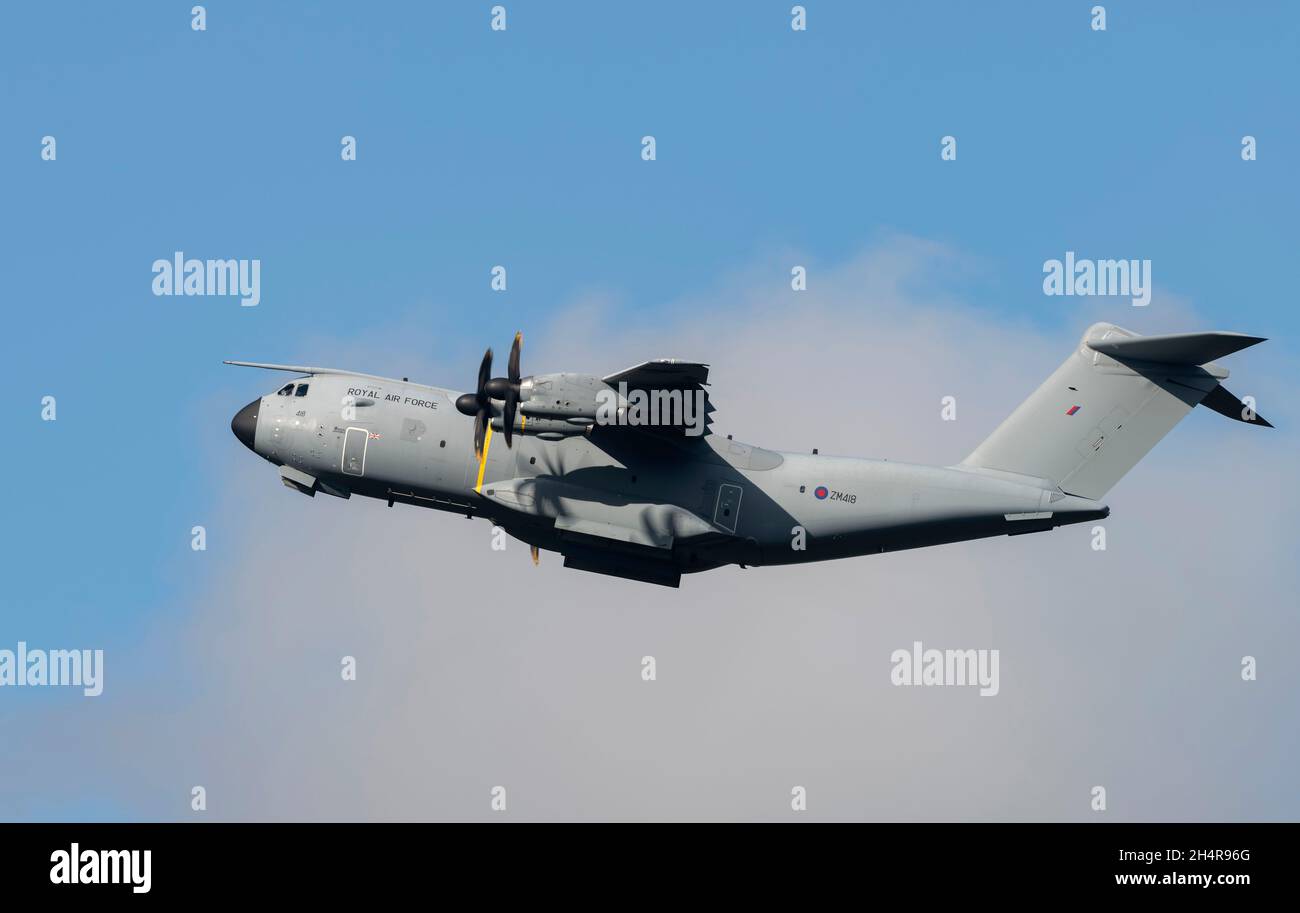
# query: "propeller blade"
{"points": [[512, 370], [484, 372], [508, 418], [480, 432]]}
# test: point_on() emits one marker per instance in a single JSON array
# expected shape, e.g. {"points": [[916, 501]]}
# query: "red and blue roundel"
{"points": [[821, 492]]}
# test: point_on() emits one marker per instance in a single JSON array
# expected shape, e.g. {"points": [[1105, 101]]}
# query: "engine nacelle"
{"points": [[548, 429], [560, 396]]}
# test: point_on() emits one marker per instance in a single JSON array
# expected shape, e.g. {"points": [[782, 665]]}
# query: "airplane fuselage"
{"points": [[623, 502]]}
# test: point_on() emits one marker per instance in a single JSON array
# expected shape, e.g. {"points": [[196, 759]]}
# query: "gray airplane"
{"points": [[621, 476]]}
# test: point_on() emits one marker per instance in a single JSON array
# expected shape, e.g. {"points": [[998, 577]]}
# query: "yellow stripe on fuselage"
{"points": [[482, 461]]}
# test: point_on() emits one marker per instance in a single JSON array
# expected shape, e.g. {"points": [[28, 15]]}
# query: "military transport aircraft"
{"points": [[621, 476]]}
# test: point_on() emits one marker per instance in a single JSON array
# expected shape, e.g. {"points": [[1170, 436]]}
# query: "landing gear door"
{"points": [[727, 511]]}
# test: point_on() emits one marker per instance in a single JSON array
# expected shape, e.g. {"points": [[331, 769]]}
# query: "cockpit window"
{"points": [[302, 390], [285, 390]]}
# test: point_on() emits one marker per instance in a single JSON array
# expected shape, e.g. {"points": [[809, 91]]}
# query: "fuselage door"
{"points": [[728, 510], [354, 451]]}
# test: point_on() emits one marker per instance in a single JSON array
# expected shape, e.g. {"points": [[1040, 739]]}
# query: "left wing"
{"points": [[664, 373], [300, 369], [667, 374]]}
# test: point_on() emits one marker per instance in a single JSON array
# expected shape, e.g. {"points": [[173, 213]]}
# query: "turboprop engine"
{"points": [[550, 406]]}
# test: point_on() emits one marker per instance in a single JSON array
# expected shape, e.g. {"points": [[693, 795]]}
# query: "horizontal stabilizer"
{"points": [[1224, 403], [1176, 349]]}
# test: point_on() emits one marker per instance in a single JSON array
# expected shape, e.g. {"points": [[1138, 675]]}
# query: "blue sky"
{"points": [[522, 148]]}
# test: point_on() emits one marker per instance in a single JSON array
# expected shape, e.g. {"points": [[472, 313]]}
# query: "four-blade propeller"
{"points": [[479, 403], [507, 388]]}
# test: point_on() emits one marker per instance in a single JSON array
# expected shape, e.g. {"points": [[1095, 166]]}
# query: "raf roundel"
{"points": [[821, 492]]}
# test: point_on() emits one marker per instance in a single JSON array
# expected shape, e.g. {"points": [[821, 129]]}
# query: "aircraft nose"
{"points": [[244, 424]]}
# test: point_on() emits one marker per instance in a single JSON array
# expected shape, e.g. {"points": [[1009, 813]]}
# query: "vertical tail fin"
{"points": [[1109, 403]]}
